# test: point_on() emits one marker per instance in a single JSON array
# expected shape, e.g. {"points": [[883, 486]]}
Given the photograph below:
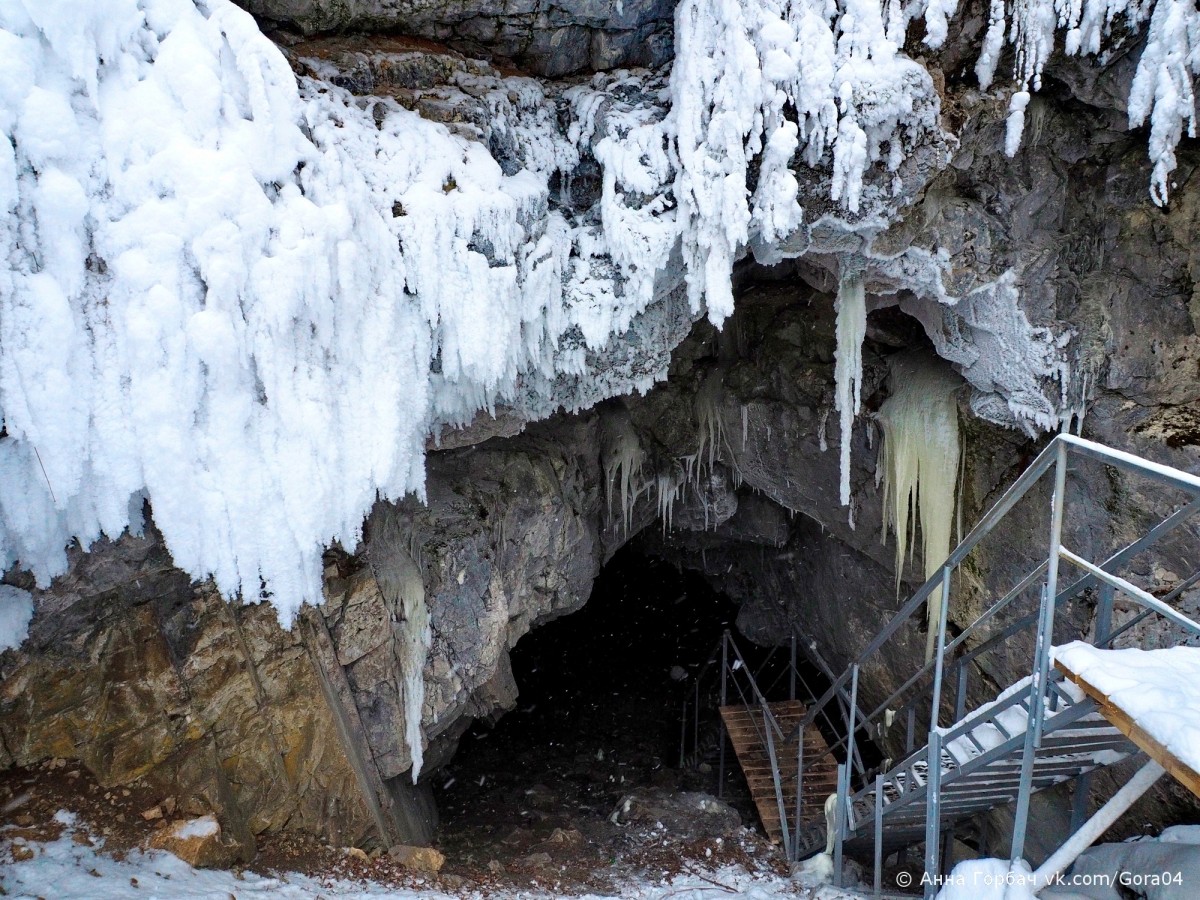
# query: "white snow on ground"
{"points": [[247, 300], [988, 879], [69, 871], [1158, 689], [1162, 868]]}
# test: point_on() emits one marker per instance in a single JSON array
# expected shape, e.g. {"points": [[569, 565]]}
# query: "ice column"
{"points": [[918, 460], [851, 329]]}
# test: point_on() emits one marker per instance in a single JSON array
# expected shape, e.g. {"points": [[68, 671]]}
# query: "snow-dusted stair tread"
{"points": [[981, 763], [1147, 695]]}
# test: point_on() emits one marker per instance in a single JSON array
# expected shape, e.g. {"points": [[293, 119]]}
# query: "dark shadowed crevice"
{"points": [[600, 717]]}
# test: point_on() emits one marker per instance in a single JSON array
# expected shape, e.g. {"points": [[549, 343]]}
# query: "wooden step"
{"points": [[1125, 723], [747, 734]]}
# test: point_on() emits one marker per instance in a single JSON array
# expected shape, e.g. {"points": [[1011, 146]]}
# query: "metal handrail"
{"points": [[1011, 496], [1146, 613], [918, 688]]}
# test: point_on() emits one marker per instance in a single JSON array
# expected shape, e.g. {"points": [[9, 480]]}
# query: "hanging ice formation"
{"points": [[762, 81], [621, 457], [400, 583], [919, 462], [245, 299], [415, 637], [710, 427], [851, 329], [1163, 88], [668, 487]]}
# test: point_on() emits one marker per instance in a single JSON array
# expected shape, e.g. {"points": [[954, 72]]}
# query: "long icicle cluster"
{"points": [[918, 462]]}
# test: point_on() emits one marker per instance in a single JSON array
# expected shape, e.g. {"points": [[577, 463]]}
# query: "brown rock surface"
{"points": [[198, 842], [419, 859]]}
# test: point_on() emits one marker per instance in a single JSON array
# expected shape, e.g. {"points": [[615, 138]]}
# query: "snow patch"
{"points": [[989, 879], [84, 872], [202, 827], [1158, 689], [16, 612]]}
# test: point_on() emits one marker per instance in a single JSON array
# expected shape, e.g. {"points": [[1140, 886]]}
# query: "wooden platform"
{"points": [[1124, 722], [747, 733]]}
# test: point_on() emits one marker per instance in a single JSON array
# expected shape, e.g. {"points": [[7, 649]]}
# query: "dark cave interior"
{"points": [[601, 710]]}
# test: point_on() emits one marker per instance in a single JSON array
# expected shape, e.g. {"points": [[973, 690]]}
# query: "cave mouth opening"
{"points": [[601, 716]]}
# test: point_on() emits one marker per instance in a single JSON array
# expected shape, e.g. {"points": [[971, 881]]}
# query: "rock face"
{"points": [[549, 37], [146, 677], [143, 675]]}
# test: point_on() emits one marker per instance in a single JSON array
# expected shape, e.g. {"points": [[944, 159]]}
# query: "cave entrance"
{"points": [[601, 717]]}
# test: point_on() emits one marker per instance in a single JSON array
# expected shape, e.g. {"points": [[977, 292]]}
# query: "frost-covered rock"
{"points": [[248, 300], [198, 842]]}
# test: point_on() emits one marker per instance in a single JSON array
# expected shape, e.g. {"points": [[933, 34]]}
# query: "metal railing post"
{"points": [[840, 817], [683, 735], [1079, 801], [939, 662], [721, 763], [1041, 659], [878, 834], [724, 664], [792, 671], [1029, 750], [1104, 611], [960, 690], [852, 723], [799, 796], [1046, 635], [933, 812], [769, 727]]}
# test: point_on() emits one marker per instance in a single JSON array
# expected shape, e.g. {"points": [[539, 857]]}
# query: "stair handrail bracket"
{"points": [[941, 685]]}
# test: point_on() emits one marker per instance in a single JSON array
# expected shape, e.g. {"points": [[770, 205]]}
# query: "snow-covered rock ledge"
{"points": [[247, 299]]}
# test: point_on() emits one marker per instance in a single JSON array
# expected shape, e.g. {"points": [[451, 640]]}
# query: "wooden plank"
{"points": [[1181, 771], [747, 731]]}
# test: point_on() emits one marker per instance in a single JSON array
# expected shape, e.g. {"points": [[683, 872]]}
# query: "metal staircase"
{"points": [[962, 754]]}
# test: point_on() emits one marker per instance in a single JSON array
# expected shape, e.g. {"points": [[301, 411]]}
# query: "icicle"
{"points": [[403, 589], [851, 329], [668, 488], [918, 461], [622, 457], [710, 427], [690, 468]]}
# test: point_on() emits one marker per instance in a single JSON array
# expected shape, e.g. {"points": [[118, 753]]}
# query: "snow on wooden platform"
{"points": [[1152, 696]]}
